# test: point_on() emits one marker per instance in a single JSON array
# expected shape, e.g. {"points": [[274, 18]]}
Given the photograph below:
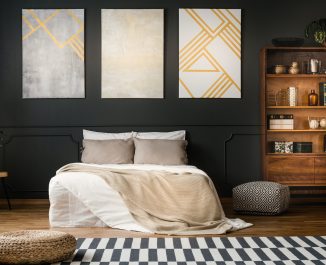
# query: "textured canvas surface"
{"points": [[132, 53], [210, 53], [53, 53], [200, 251]]}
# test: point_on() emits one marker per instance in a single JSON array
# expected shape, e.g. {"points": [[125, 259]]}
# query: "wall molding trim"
{"points": [[226, 142]]}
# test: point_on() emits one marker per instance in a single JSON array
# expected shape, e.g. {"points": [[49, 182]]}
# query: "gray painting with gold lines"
{"points": [[53, 53]]}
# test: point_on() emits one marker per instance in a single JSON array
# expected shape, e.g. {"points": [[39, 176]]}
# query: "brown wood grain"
{"points": [[305, 217], [291, 170], [317, 139], [304, 85], [320, 170], [294, 170]]}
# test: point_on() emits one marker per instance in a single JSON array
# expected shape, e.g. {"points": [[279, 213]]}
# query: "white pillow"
{"points": [[91, 135], [175, 135]]}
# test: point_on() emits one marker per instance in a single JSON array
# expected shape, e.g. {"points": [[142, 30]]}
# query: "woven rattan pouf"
{"points": [[35, 247], [261, 198]]}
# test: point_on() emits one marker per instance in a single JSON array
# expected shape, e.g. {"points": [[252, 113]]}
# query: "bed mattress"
{"points": [[69, 207]]}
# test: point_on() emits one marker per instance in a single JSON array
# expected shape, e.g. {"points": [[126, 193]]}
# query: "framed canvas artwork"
{"points": [[132, 53], [210, 53], [53, 53]]}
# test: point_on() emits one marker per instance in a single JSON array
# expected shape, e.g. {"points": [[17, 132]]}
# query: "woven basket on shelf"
{"points": [[35, 246]]}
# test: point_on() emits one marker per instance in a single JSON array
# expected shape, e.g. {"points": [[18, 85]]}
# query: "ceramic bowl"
{"points": [[280, 69]]}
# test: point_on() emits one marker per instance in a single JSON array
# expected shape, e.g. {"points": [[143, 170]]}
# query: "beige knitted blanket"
{"points": [[165, 202]]}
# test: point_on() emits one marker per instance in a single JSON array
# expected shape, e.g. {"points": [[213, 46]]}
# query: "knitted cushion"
{"points": [[261, 198], [35, 247]]}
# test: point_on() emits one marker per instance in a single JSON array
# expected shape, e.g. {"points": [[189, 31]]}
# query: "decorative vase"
{"points": [[294, 68], [312, 98]]}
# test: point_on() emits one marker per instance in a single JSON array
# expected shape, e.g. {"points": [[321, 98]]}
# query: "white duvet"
{"points": [[86, 200]]}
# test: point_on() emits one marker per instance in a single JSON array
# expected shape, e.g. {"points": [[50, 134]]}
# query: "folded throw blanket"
{"points": [[165, 202]]}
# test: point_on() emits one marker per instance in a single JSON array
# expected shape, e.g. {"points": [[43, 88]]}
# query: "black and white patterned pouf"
{"points": [[261, 198]]}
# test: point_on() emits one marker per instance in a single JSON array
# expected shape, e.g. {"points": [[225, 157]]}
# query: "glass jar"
{"points": [[312, 98]]}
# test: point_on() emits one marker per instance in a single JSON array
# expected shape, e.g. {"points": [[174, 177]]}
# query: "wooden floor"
{"points": [[305, 217]]}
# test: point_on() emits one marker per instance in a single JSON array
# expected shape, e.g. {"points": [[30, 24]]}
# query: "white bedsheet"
{"points": [[77, 200]]}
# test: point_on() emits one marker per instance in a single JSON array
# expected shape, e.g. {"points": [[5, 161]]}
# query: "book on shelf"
{"points": [[281, 122], [322, 93], [279, 116], [281, 127], [302, 147]]}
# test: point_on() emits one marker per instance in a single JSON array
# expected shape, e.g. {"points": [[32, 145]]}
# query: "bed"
{"points": [[83, 198]]}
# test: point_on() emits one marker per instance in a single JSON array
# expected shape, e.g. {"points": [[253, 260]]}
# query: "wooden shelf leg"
{"points": [[6, 192]]}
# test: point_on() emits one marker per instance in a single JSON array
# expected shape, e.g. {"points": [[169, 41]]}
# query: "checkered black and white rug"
{"points": [[200, 250]]}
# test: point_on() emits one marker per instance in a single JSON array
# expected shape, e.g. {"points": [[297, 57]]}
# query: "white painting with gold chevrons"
{"points": [[53, 53], [210, 53]]}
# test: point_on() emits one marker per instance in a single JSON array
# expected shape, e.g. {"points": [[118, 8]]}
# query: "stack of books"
{"points": [[280, 122]]}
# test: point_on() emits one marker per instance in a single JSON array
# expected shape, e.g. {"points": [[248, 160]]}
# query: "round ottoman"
{"points": [[35, 246], [261, 198]]}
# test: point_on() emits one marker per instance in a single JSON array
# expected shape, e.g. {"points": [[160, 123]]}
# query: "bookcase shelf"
{"points": [[298, 131], [297, 154], [296, 107], [296, 75], [294, 169]]}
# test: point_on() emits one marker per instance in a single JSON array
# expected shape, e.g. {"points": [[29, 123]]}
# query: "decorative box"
{"points": [[302, 147], [282, 147]]}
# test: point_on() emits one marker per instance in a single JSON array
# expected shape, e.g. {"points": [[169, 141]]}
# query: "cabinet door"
{"points": [[291, 170], [320, 170]]}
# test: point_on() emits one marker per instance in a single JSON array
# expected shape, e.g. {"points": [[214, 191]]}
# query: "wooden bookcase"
{"points": [[295, 169]]}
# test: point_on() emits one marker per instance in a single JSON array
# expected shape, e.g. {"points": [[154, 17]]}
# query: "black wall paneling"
{"points": [[40, 135], [240, 162], [32, 155]]}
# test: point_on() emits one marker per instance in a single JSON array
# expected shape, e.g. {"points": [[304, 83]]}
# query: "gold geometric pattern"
{"points": [[53, 53], [34, 23], [210, 53]]}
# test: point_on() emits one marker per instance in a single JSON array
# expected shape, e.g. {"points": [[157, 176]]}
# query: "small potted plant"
{"points": [[316, 31]]}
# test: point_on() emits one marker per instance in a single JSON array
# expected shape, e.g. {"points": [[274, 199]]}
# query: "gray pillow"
{"points": [[160, 152], [108, 151]]}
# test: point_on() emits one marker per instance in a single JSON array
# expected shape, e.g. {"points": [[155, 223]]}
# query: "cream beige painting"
{"points": [[210, 53], [132, 53], [53, 53]]}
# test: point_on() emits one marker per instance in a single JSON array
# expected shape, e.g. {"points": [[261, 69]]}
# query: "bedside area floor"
{"points": [[305, 217]]}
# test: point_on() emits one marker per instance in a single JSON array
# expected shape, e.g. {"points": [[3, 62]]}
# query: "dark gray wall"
{"points": [[40, 135]]}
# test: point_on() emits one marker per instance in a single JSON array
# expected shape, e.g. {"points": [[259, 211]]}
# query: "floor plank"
{"points": [[305, 217]]}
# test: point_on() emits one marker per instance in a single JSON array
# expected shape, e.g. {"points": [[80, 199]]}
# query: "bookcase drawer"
{"points": [[291, 170], [320, 170]]}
